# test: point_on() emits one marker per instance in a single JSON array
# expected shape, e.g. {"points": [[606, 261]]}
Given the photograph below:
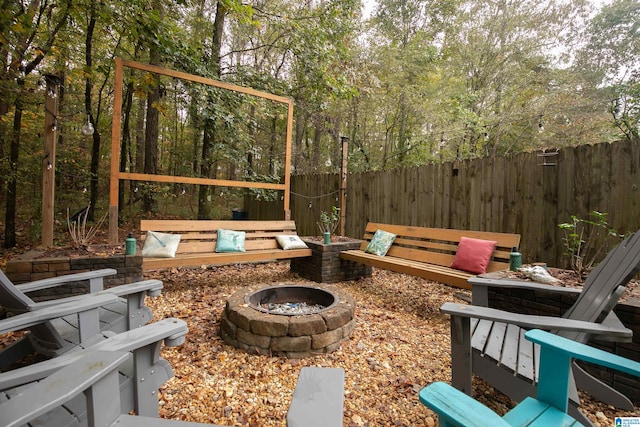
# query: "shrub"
{"points": [[587, 239]]}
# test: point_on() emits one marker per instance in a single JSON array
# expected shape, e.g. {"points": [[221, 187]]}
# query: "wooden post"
{"points": [[343, 185], [49, 161], [114, 179]]}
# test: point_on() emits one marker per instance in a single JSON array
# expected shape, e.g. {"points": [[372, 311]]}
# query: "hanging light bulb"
{"points": [[540, 125], [49, 165], [617, 109], [88, 129], [328, 162]]}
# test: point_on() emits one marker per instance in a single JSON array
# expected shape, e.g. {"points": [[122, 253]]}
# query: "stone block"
{"points": [[242, 316], [347, 329], [228, 327], [252, 340], [337, 316], [270, 325], [291, 344], [325, 339], [306, 325]]}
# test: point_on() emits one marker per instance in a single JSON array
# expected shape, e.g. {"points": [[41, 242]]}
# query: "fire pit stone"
{"points": [[248, 325]]}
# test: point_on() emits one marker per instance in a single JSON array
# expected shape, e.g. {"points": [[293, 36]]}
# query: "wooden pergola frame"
{"points": [[116, 175]]}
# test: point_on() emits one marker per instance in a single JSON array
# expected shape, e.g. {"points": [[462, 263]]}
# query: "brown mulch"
{"points": [[400, 344]]}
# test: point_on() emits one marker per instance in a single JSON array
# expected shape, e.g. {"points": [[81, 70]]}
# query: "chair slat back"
{"points": [[602, 288], [15, 301], [11, 298]]}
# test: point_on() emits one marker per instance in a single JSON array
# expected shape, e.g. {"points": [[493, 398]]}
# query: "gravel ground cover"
{"points": [[400, 344]]}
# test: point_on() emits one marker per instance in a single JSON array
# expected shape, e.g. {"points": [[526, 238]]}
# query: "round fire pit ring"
{"points": [[290, 320], [291, 300]]}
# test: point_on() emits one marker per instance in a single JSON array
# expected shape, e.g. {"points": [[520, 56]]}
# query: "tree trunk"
{"points": [[125, 147], [4, 109], [95, 145], [208, 139], [151, 142], [149, 203], [12, 178]]}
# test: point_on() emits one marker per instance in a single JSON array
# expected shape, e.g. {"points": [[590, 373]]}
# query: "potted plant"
{"points": [[328, 223]]}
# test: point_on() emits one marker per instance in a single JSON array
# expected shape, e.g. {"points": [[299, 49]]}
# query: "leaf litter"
{"points": [[401, 343]]}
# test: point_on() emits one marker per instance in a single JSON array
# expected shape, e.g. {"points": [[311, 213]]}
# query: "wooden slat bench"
{"points": [[198, 242], [429, 252]]}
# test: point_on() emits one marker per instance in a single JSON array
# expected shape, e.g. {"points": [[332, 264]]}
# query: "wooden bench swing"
{"points": [[198, 242], [429, 252]]}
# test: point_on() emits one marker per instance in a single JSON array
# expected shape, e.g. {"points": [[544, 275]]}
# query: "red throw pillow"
{"points": [[473, 255]]}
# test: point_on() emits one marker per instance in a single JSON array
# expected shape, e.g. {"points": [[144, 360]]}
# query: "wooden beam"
{"points": [[49, 160], [117, 175], [199, 181]]}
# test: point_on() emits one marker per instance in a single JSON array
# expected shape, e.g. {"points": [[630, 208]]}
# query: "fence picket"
{"points": [[508, 194]]}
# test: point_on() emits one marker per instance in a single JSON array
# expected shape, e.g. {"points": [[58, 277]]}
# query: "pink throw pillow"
{"points": [[473, 255]]}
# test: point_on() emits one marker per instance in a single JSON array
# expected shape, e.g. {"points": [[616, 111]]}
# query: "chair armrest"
{"points": [[63, 386], [481, 285], [533, 321], [457, 408], [61, 280], [521, 284], [32, 318], [152, 287], [171, 330], [583, 352]]}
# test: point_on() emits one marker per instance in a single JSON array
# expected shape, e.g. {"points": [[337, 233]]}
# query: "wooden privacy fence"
{"points": [[512, 194]]}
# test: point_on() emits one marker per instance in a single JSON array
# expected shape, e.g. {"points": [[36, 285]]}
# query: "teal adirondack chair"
{"points": [[489, 342], [548, 408]]}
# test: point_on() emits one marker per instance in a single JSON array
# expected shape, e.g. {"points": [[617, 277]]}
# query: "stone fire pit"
{"points": [[265, 320]]}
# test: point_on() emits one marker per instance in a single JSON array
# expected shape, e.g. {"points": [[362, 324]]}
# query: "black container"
{"points": [[238, 214]]}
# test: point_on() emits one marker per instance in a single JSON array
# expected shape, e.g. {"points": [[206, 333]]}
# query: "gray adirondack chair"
{"points": [[490, 343], [92, 381], [135, 379], [57, 335]]}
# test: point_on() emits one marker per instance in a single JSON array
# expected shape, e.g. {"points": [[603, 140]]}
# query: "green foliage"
{"points": [[587, 239], [263, 194], [419, 81], [329, 220]]}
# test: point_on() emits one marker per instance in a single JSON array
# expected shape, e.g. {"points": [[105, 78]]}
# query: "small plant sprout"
{"points": [[329, 221], [78, 227]]}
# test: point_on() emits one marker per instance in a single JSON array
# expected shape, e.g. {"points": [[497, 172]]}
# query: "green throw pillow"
{"points": [[381, 242], [230, 241]]}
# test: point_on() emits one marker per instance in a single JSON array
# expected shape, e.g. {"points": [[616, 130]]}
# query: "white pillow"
{"points": [[160, 245], [290, 241]]}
